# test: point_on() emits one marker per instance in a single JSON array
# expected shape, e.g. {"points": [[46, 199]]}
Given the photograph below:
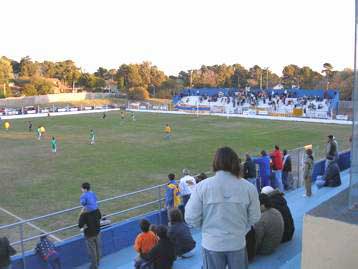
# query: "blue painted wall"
{"points": [[73, 252]]}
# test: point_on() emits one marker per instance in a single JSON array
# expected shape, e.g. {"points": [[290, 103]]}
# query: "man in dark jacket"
{"points": [[279, 202], [286, 171], [6, 250], [250, 170], [90, 223], [331, 177]]}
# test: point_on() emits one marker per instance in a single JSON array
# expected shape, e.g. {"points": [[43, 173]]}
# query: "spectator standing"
{"points": [[225, 207], [279, 202], [269, 229], [144, 243], [90, 223], [307, 172], [287, 179], [162, 255], [6, 250], [172, 194], [186, 186], [179, 234], [264, 169], [250, 170], [331, 177], [332, 148], [277, 166], [47, 251], [88, 198]]}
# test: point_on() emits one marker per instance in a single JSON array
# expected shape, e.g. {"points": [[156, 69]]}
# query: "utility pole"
{"points": [[261, 80], [267, 75], [353, 184]]}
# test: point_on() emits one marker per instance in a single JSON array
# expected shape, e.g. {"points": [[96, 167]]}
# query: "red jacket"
{"points": [[277, 162]]}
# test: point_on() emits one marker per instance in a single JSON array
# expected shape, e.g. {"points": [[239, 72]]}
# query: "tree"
{"points": [[328, 71], [28, 68], [29, 89], [6, 73], [138, 93], [290, 76], [101, 73]]}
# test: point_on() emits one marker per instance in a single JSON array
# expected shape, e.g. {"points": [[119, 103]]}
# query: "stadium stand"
{"points": [[303, 103]]}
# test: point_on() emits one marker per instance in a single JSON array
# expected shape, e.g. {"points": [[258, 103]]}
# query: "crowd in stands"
{"points": [[241, 214], [274, 101]]}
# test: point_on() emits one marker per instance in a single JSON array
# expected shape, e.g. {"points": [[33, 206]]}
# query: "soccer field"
{"points": [[128, 155]]}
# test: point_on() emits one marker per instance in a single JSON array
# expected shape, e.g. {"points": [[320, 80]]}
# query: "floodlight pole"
{"points": [[353, 184]]}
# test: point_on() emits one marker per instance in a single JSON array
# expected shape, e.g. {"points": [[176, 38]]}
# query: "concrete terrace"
{"points": [[287, 256]]}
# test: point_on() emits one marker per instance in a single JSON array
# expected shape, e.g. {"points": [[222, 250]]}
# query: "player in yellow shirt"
{"points": [[7, 125], [168, 132]]}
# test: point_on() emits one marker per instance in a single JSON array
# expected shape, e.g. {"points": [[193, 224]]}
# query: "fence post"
{"points": [[21, 227], [160, 204]]}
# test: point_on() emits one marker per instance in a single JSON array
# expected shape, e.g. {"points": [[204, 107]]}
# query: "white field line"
{"points": [[29, 223]]}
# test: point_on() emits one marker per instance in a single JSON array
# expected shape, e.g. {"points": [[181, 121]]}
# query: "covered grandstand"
{"points": [[321, 104]]}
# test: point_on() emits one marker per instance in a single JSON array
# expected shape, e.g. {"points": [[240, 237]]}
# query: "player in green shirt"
{"points": [[92, 137], [53, 145]]}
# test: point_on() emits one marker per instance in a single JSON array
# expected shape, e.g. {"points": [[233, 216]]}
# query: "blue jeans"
{"points": [[219, 260], [54, 262], [278, 180]]}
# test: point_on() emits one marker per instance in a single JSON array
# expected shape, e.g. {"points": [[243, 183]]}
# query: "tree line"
{"points": [[140, 81]]}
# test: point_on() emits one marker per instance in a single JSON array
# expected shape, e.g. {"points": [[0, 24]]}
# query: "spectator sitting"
{"points": [[88, 199], [331, 177], [162, 256], [264, 169], [200, 177], [6, 250], [269, 229], [250, 170], [47, 251], [279, 202], [144, 243], [179, 234]]}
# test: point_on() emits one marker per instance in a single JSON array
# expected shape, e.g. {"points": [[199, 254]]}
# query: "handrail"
{"points": [[79, 207]]}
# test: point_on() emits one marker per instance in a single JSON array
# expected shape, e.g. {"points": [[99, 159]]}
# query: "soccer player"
{"points": [[167, 131], [53, 145], [92, 137], [7, 125], [38, 132], [133, 116], [30, 126], [104, 115], [122, 115]]}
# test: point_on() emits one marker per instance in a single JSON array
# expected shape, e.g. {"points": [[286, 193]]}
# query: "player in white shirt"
{"points": [[186, 186]]}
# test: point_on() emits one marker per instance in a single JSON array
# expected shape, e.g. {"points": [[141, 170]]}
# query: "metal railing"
{"points": [[155, 195]]}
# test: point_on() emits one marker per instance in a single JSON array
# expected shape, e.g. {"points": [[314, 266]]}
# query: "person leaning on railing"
{"points": [[225, 206]]}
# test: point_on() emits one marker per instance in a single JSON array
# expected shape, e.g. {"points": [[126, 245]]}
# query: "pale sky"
{"points": [[180, 34]]}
